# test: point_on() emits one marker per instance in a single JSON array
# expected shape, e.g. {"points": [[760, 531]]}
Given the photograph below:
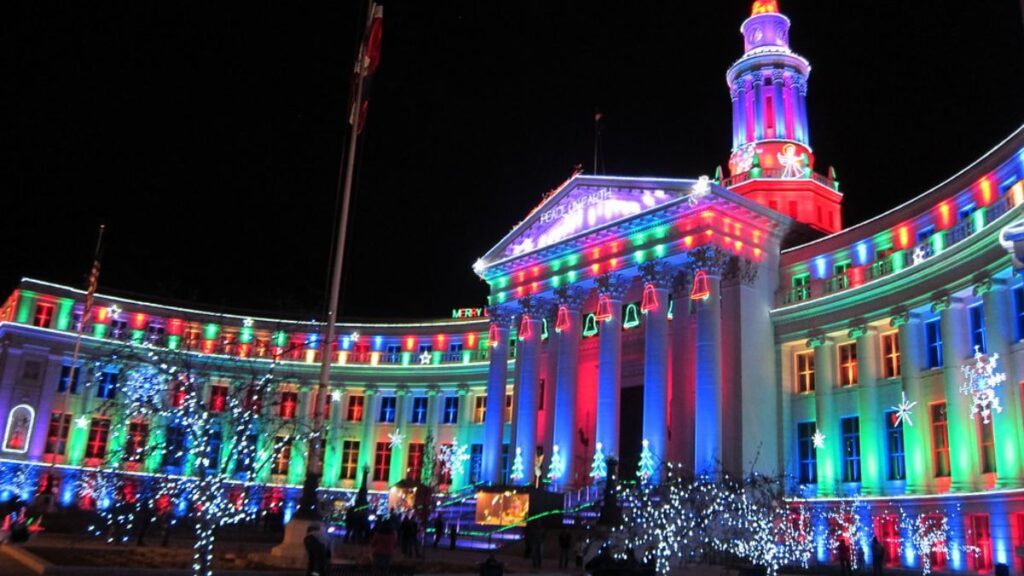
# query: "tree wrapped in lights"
{"points": [[16, 480], [215, 451], [929, 534], [844, 523]]}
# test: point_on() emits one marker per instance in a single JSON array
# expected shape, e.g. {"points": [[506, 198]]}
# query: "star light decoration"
{"points": [[980, 381], [114, 311], [396, 438], [818, 439], [425, 358], [354, 337], [82, 421], [336, 395], [919, 255], [903, 411], [247, 323], [700, 190]]}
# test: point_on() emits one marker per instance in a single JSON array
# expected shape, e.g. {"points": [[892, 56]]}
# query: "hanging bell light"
{"points": [[650, 301], [493, 335], [604, 308], [562, 323], [631, 319], [700, 286], [590, 326], [544, 334], [525, 330]]}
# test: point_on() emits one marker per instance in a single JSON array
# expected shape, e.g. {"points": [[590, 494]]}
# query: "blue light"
{"points": [[5, 495], [378, 342], [862, 253], [289, 509], [819, 266], [346, 343]]}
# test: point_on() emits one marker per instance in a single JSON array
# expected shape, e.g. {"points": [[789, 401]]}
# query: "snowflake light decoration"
{"points": [[700, 190], [354, 337], [247, 323], [599, 467], [396, 438], [336, 395], [453, 457], [980, 381], [818, 439], [903, 411], [425, 358], [82, 421]]}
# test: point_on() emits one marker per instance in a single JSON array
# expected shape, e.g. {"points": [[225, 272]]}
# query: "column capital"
{"points": [[462, 390], [757, 78], [659, 273], [500, 315], [401, 392], [899, 318], [370, 391], [816, 341], [741, 270], [535, 306], [778, 75], [982, 286], [613, 286], [711, 259], [860, 330], [572, 297], [432, 390], [734, 93], [944, 302]]}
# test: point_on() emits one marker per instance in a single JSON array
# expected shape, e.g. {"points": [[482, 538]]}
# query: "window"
{"points": [[394, 349], [976, 319], [847, 364], [154, 333], [808, 467], [504, 463], [851, 448], [540, 397], [178, 395], [289, 404], [426, 349], [349, 459], [967, 211], [107, 386], [244, 457], [938, 553], [476, 460], [986, 447], [382, 462], [508, 408], [96, 445], [841, 273], [925, 233], [933, 343], [891, 355], [355, 408], [940, 440], [218, 398], [887, 528], [479, 409], [119, 329], [451, 410], [801, 290], [894, 447], [57, 435], [419, 410], [455, 348], [65, 375], [213, 450], [135, 442], [1018, 308], [282, 457], [981, 537], [388, 406], [174, 441], [805, 372], [43, 316], [414, 467], [444, 473]]}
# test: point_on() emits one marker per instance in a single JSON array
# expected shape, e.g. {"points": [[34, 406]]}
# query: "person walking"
{"points": [[877, 556], [318, 552], [564, 546], [438, 530], [453, 534], [844, 558]]}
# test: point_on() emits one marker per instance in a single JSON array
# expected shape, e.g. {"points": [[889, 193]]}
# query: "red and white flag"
{"points": [[366, 64]]}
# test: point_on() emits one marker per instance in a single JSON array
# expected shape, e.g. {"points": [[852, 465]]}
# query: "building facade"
{"points": [[732, 325]]}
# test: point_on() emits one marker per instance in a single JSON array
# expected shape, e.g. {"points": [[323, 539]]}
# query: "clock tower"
{"points": [[772, 161]]}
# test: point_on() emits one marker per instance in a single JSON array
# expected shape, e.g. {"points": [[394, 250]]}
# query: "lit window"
{"points": [[986, 447], [851, 448], [96, 444], [289, 404], [808, 457], [106, 388], [895, 448], [479, 409], [414, 469], [891, 355], [282, 456], [43, 316], [805, 372], [940, 440], [933, 343], [218, 398], [981, 538], [382, 462], [1018, 308], [476, 460], [349, 459], [847, 364], [213, 449], [508, 408], [355, 408], [174, 445], [387, 409], [419, 410], [451, 410], [65, 376], [57, 435], [135, 443], [976, 318]]}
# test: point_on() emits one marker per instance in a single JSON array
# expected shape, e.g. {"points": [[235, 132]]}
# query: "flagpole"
{"points": [[94, 278], [314, 465]]}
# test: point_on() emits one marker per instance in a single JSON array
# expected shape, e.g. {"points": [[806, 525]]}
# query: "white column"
{"points": [[497, 378], [570, 302], [962, 430], [658, 276], [828, 455], [532, 310], [609, 365], [1007, 424]]}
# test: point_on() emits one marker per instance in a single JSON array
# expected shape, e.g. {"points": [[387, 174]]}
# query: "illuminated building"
{"points": [[692, 317]]}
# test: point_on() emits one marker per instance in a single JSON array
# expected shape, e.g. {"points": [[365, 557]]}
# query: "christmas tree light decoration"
{"points": [[518, 474], [980, 382], [645, 470], [701, 290], [425, 357], [818, 439], [599, 466], [650, 299], [604, 308], [700, 190], [557, 466], [929, 535], [525, 327], [562, 322], [903, 411], [396, 437]]}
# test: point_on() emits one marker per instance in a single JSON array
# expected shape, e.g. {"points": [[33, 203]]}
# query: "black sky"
{"points": [[207, 135]]}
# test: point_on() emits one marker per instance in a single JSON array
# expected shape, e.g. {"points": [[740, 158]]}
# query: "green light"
{"points": [[979, 219], [406, 358], [467, 356], [99, 330], [897, 261], [938, 242], [556, 264], [573, 259], [501, 297], [556, 281], [245, 336], [659, 250], [639, 257], [503, 282], [671, 307], [544, 329], [590, 326], [661, 231], [572, 276], [25, 307], [631, 319], [138, 336], [64, 314], [173, 342], [210, 331], [639, 238], [280, 338]]}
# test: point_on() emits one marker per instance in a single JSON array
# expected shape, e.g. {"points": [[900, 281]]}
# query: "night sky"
{"points": [[207, 136]]}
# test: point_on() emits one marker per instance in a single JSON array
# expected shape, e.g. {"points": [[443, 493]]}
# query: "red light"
{"points": [[739, 245], [650, 300], [521, 276], [595, 269], [856, 276], [536, 271], [614, 263], [985, 188], [945, 215], [757, 236], [208, 346], [493, 335], [101, 314], [765, 7], [519, 292], [534, 287], [243, 350], [903, 237], [471, 339], [440, 339], [563, 322], [410, 343], [604, 308], [757, 254], [688, 241], [595, 253], [525, 329], [138, 321], [700, 290], [615, 247]]}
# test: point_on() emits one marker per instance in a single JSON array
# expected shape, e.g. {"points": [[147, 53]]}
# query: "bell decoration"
{"points": [[650, 301], [604, 308], [631, 319], [700, 286], [493, 335], [562, 323], [590, 326], [525, 331]]}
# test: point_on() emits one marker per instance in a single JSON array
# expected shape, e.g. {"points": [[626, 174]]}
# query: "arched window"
{"points": [[19, 428]]}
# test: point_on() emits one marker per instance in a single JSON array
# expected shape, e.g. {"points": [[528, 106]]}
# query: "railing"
{"points": [[797, 294], [961, 231], [837, 283], [879, 269], [775, 174]]}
